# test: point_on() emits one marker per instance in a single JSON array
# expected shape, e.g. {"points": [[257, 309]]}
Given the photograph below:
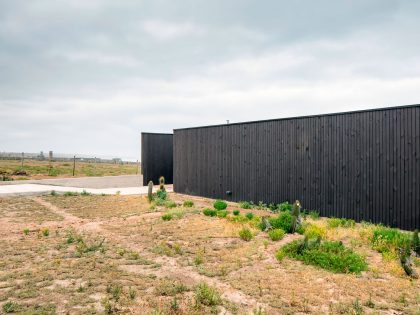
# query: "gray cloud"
{"points": [[89, 76]]}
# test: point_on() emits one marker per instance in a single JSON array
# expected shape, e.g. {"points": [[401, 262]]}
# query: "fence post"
{"points": [[74, 164]]}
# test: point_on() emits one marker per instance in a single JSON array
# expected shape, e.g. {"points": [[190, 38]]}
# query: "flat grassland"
{"points": [[122, 254], [45, 169]]}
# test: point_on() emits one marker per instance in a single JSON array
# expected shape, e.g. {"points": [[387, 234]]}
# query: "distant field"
{"points": [[44, 169]]}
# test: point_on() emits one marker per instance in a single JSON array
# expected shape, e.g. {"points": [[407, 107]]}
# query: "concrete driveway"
{"points": [[124, 185]]}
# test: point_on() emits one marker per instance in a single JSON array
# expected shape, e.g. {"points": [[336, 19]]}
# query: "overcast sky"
{"points": [[88, 76]]}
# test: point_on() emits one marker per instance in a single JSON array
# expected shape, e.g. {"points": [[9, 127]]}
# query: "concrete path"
{"points": [[35, 189], [86, 182]]}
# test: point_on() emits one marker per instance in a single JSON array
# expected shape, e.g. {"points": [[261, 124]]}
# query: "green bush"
{"points": [[236, 212], [328, 255], [385, 239], [246, 234], [314, 215], [245, 205], [210, 212], [315, 231], [70, 194], [220, 205], [188, 203], [249, 215], [222, 213], [284, 206], [283, 221], [206, 295], [276, 234], [162, 194], [167, 217]]}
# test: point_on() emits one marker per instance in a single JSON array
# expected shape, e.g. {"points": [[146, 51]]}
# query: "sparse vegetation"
{"points": [[245, 205], [167, 217], [336, 222], [222, 213]]}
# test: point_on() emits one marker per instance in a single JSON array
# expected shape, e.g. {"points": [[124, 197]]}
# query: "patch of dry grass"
{"points": [[120, 256]]}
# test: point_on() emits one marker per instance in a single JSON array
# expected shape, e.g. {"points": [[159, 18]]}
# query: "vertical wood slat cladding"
{"points": [[362, 165], [156, 157]]}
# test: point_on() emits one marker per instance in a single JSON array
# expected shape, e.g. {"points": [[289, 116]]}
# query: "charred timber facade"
{"points": [[156, 157], [362, 165]]}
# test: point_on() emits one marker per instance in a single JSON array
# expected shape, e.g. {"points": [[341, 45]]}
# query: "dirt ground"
{"points": [[115, 254]]}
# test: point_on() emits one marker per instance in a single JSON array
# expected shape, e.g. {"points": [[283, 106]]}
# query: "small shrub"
{"points": [[132, 293], [246, 234], [167, 217], [53, 193], [245, 205], [85, 193], [10, 307], [236, 212], [284, 206], [315, 231], [261, 206], [188, 203], [199, 259], [220, 205], [222, 213], [276, 234], [45, 232], [210, 212], [328, 255], [314, 215], [162, 194], [249, 215], [283, 221], [26, 231], [206, 295]]}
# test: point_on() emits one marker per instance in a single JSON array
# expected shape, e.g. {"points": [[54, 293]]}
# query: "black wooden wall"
{"points": [[362, 165], [156, 157]]}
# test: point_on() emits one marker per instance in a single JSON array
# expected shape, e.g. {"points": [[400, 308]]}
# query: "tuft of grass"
{"points": [[10, 307], [169, 287], [245, 205], [246, 234], [210, 212], [167, 217], [53, 193], [26, 231], [170, 204], [188, 203], [332, 256], [206, 295], [337, 222], [71, 194], [236, 212], [45, 232], [222, 213], [249, 215], [220, 205], [276, 234], [85, 193]]}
